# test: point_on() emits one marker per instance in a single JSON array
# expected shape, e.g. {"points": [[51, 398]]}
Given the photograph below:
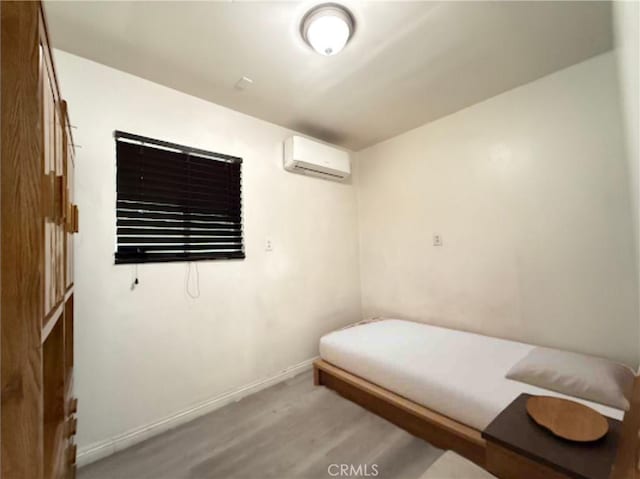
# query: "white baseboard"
{"points": [[99, 450]]}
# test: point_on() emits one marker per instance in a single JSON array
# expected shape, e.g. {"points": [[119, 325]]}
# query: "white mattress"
{"points": [[457, 374]]}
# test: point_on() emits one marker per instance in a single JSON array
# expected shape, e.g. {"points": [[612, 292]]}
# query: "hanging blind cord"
{"points": [[195, 293], [135, 281]]}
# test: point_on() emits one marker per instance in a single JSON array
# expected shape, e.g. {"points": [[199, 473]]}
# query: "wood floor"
{"points": [[292, 430]]}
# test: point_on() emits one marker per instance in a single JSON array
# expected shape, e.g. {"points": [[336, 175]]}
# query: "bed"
{"points": [[439, 384]]}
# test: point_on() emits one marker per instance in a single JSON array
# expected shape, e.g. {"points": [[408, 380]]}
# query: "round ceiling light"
{"points": [[327, 28]]}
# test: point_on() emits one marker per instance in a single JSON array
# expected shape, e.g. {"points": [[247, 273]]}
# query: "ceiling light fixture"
{"points": [[327, 28]]}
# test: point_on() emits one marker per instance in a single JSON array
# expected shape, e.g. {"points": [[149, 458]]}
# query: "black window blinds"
{"points": [[176, 203]]}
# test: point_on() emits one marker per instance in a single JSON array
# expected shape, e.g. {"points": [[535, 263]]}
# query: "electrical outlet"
{"points": [[437, 240], [268, 246]]}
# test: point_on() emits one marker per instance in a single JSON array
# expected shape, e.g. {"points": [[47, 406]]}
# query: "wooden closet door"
{"points": [[70, 210], [38, 407], [60, 205], [54, 193], [22, 237], [49, 132]]}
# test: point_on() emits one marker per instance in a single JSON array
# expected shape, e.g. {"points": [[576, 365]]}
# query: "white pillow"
{"points": [[586, 377]]}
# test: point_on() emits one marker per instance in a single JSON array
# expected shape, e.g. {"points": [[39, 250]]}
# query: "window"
{"points": [[176, 203]]}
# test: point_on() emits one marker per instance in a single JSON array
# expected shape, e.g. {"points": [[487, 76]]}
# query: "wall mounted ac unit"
{"points": [[309, 157]]}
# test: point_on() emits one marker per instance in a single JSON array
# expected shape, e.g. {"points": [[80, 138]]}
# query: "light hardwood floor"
{"points": [[293, 430]]}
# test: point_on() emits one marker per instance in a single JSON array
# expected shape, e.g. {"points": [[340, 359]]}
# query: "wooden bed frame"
{"points": [[445, 433], [424, 423]]}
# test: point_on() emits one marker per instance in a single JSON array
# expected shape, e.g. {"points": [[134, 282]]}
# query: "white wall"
{"points": [[144, 355], [627, 33], [529, 192]]}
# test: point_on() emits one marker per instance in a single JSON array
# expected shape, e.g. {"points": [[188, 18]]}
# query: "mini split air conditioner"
{"points": [[309, 157]]}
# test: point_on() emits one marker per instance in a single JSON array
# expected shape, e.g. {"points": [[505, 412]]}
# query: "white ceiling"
{"points": [[408, 62]]}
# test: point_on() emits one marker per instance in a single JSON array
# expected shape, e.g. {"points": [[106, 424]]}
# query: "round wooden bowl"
{"points": [[567, 419]]}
